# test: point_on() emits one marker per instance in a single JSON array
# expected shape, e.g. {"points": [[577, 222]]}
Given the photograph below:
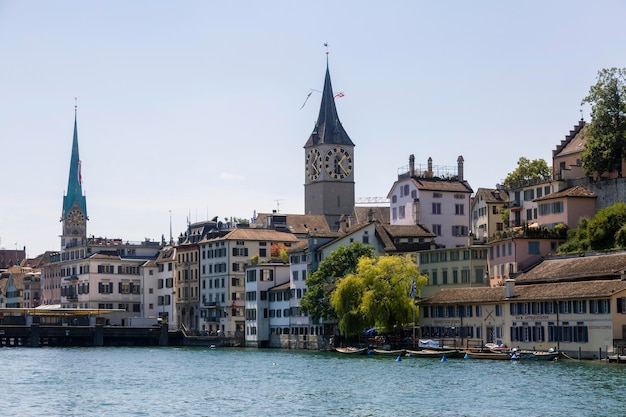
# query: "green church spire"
{"points": [[74, 196]]}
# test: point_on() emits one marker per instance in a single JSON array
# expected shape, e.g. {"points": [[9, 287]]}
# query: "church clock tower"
{"points": [[329, 164], [74, 215]]}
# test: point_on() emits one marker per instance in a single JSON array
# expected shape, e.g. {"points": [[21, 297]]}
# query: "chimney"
{"points": [[343, 223], [459, 161], [510, 288], [412, 165]]}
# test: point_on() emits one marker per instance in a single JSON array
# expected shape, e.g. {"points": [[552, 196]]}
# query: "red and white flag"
{"points": [[339, 95]]}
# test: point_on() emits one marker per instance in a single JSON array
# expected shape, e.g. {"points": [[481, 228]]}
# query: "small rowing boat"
{"points": [[351, 350], [434, 353]]}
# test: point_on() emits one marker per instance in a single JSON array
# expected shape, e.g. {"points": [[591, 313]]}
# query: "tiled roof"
{"points": [[258, 234], [296, 223], [379, 214], [435, 184], [572, 192], [576, 268], [492, 195], [418, 231], [552, 291]]}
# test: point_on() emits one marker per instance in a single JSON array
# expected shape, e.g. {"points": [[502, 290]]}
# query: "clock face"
{"points": [[75, 218], [338, 163], [313, 164]]}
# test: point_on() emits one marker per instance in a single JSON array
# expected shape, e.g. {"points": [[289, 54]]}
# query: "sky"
{"points": [[192, 109]]}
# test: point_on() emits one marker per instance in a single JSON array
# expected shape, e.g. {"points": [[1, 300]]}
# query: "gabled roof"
{"points": [[577, 191], [572, 267], [552, 291], [365, 214], [299, 224], [573, 143], [328, 128], [390, 236], [256, 234], [492, 195]]}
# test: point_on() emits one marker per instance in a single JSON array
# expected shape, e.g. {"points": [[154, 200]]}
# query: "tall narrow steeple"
{"points": [[329, 163], [328, 128], [74, 197]]}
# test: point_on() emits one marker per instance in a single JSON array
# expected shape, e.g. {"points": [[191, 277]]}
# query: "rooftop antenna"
{"points": [[278, 205], [581, 115]]}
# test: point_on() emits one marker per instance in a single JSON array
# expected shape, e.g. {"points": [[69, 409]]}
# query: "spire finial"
{"points": [[326, 45], [75, 105], [581, 115]]}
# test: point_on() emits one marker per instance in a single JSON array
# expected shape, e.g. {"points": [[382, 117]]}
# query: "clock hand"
{"points": [[340, 163]]}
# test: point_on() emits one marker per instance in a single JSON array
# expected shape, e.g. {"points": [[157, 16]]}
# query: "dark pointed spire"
{"points": [[74, 194], [328, 128]]}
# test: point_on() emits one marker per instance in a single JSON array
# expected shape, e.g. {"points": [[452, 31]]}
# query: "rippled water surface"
{"points": [[241, 382]]}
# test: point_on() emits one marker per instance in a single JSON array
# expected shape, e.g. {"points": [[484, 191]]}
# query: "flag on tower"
{"points": [[413, 289]]}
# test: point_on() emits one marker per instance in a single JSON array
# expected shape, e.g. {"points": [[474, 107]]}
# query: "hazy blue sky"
{"points": [[193, 107]]}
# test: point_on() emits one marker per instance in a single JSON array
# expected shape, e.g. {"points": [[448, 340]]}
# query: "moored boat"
{"points": [[488, 355], [616, 358], [537, 355], [434, 353], [351, 350], [396, 352]]}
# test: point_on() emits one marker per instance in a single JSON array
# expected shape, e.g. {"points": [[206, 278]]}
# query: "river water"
{"points": [[248, 382]]}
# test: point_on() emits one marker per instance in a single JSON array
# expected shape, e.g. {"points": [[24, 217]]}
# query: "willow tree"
{"points": [[605, 147], [323, 281], [377, 295]]}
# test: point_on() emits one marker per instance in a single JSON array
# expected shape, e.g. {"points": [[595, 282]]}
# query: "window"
{"points": [[533, 248], [401, 212], [459, 230], [529, 195], [437, 229], [498, 310], [436, 208], [459, 209]]}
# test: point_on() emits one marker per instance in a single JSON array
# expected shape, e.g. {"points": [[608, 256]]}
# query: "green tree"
{"points": [[605, 147], [323, 281], [527, 170], [605, 231], [377, 295]]}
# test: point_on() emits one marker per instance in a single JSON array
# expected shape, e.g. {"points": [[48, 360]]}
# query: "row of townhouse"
{"points": [[574, 304], [540, 212], [123, 279]]}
